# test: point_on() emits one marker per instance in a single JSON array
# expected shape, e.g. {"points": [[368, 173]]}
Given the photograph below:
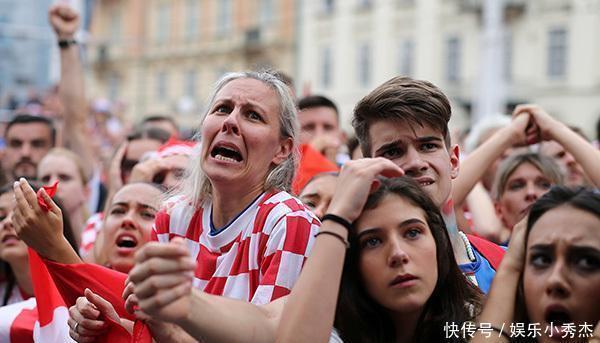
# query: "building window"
{"points": [[328, 6], [326, 66], [364, 65], [406, 56], [224, 15], [163, 23], [161, 85], [452, 59], [365, 4], [191, 20], [557, 53], [266, 11], [115, 27], [190, 83], [113, 86]]}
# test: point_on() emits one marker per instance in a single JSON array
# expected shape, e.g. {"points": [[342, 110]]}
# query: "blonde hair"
{"points": [[196, 187], [544, 164], [81, 170]]}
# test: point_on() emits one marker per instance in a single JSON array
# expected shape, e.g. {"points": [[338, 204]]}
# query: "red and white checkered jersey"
{"points": [[257, 258], [89, 234]]}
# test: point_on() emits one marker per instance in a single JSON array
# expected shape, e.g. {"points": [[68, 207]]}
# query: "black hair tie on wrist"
{"points": [[343, 222]]}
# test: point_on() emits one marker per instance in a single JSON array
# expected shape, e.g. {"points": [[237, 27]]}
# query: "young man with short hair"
{"points": [[319, 125]]}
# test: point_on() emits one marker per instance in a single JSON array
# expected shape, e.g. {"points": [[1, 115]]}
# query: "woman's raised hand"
{"points": [[357, 180], [162, 280], [515, 255], [41, 230]]}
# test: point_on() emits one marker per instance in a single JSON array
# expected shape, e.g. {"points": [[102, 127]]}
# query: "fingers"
{"points": [[165, 297], [102, 305], [131, 303], [83, 323], [53, 207], [155, 283], [29, 194], [161, 265], [155, 249]]}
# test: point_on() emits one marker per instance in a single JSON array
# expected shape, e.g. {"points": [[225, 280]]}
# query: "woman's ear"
{"points": [[285, 149]]}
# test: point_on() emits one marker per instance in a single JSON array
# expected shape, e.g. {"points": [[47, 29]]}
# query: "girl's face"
{"points": [[128, 223], [317, 194], [561, 279], [71, 191], [398, 260], [524, 186], [11, 247]]}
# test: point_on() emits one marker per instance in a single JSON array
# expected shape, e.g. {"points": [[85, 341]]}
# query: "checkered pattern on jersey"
{"points": [[259, 256]]}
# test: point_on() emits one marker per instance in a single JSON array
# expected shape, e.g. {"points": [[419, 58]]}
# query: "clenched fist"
{"points": [[64, 20]]}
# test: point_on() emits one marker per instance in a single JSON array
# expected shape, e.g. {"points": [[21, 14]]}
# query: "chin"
{"points": [[120, 264]]}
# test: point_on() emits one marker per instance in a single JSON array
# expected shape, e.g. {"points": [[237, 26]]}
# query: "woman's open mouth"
{"points": [[557, 316], [226, 153], [126, 243]]}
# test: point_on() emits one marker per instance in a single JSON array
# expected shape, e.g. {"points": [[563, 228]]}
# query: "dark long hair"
{"points": [[5, 268], [359, 318], [581, 198]]}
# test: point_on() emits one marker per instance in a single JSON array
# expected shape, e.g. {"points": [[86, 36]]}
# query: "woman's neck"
{"points": [[406, 325], [20, 268], [226, 205]]}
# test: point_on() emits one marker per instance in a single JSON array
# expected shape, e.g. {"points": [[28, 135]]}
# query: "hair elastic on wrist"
{"points": [[343, 222], [336, 235]]}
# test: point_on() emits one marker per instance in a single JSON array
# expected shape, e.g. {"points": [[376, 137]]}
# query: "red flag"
{"points": [[72, 279], [50, 190]]}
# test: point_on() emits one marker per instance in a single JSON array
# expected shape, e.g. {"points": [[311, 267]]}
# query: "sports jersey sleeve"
{"points": [[286, 250], [160, 230]]}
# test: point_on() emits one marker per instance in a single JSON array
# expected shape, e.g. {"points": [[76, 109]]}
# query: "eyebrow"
{"points": [[310, 195], [404, 223], [426, 139], [423, 139], [386, 146], [256, 104]]}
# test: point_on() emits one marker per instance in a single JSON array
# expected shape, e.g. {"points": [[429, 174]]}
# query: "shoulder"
{"points": [[279, 208]]}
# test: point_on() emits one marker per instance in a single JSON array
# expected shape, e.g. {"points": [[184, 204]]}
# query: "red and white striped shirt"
{"points": [[257, 258]]}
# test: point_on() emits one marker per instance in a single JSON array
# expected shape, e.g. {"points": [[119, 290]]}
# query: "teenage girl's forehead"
{"points": [[138, 193]]}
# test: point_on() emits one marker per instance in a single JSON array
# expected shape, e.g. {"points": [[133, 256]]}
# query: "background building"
{"points": [[25, 45], [160, 56], [548, 51]]}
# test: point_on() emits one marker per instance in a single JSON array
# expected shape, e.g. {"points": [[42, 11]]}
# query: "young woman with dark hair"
{"points": [[361, 316], [401, 282], [550, 276]]}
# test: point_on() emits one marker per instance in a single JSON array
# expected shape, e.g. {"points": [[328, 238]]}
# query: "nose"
{"points": [[53, 179], [397, 256], [6, 223], [128, 221], [413, 164], [321, 209], [532, 192], [569, 159], [556, 284], [230, 124], [25, 150]]}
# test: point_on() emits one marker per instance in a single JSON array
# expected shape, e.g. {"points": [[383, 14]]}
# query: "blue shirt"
{"points": [[480, 271]]}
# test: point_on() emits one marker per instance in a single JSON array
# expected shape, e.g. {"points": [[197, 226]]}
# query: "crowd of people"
{"points": [[271, 224]]}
